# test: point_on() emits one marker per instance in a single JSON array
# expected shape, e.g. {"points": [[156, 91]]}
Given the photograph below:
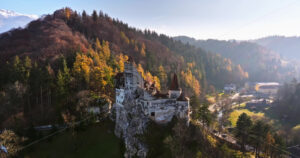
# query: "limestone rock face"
{"points": [[131, 122]]}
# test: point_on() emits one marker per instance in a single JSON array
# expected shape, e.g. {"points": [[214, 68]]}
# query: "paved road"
{"points": [[217, 106]]}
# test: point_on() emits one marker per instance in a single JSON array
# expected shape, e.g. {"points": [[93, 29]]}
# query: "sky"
{"points": [[201, 19]]}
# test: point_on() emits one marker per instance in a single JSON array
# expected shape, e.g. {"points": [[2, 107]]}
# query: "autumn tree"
{"points": [[11, 141], [98, 46], [120, 59], [105, 51], [143, 49], [82, 67], [162, 75], [67, 13], [124, 37], [141, 70]]}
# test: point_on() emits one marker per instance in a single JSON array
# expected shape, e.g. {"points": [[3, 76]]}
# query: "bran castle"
{"points": [[138, 101]]}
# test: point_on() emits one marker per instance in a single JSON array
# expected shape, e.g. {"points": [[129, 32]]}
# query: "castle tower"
{"points": [[174, 91], [132, 77]]}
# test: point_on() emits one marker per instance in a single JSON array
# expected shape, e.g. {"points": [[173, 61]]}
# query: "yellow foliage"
{"points": [[82, 66], [98, 45], [105, 51], [120, 60], [191, 81], [68, 13], [157, 82], [141, 70], [143, 52], [124, 37], [136, 48], [233, 117], [191, 65], [162, 74], [148, 77]]}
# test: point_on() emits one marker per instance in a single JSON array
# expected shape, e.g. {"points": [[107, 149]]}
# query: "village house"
{"points": [[230, 88]]}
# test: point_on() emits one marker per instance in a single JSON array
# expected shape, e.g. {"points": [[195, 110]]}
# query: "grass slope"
{"points": [[95, 141], [236, 113]]}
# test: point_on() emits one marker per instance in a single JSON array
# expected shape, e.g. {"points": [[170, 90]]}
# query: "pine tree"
{"points": [[162, 75], [18, 70], [60, 83], [27, 67], [66, 71], [242, 129], [95, 16]]}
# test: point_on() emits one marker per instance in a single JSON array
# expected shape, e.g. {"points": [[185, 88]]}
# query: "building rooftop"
{"points": [[174, 83], [160, 95]]}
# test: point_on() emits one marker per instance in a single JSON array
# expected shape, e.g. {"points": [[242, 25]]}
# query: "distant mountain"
{"points": [[261, 63], [287, 47], [11, 19]]}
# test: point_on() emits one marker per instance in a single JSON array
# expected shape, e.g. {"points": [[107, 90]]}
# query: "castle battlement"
{"points": [[157, 106]]}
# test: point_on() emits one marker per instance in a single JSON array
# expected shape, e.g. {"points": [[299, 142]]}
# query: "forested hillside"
{"points": [[261, 63], [64, 62], [286, 108], [287, 47]]}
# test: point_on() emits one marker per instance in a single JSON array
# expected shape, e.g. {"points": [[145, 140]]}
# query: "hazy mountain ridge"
{"points": [[287, 47], [262, 63], [11, 19]]}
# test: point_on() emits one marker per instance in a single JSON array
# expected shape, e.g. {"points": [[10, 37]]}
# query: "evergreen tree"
{"points": [[242, 130], [27, 67], [162, 75], [66, 72], [259, 132], [95, 16], [60, 83]]}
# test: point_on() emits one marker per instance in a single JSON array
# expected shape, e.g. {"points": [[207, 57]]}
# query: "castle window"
{"points": [[153, 114]]}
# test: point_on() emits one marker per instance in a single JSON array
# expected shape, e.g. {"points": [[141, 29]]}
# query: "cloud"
{"points": [[11, 19]]}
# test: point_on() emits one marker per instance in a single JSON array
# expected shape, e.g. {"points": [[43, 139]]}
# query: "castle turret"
{"points": [[174, 91], [132, 77]]}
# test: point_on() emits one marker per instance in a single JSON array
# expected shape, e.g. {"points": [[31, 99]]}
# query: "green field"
{"points": [[242, 105], [95, 141], [233, 117], [296, 128]]}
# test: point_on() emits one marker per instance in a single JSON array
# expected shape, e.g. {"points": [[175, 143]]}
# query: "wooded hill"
{"points": [[287, 47], [66, 61], [261, 63]]}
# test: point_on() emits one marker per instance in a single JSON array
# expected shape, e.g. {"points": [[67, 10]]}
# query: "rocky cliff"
{"points": [[130, 123]]}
